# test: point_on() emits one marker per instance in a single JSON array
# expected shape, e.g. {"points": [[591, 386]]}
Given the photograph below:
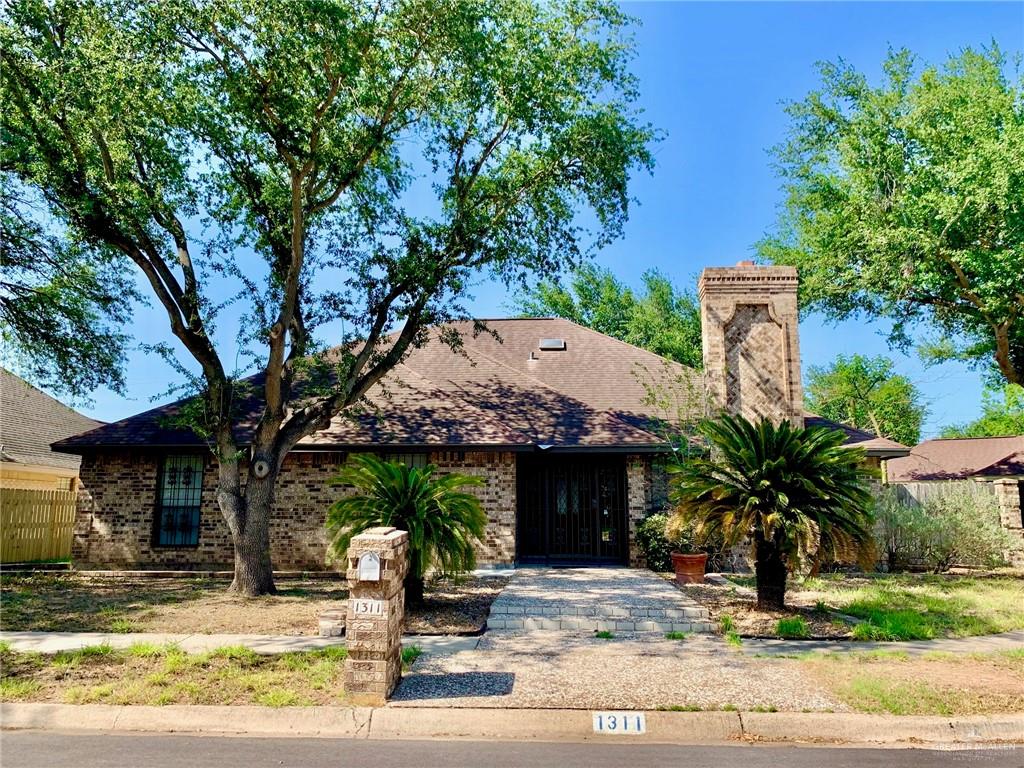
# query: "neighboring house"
{"points": [[995, 463], [30, 421], [561, 421]]}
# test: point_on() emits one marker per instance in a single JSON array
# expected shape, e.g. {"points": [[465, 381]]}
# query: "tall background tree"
{"points": [[336, 164], [660, 317], [1002, 413], [905, 201], [867, 393], [62, 305]]}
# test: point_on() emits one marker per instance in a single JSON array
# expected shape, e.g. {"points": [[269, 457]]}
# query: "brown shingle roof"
{"points": [[30, 420], [595, 393], [958, 458], [882, 447]]}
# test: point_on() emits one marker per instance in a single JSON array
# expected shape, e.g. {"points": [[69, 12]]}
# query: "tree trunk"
{"points": [[248, 518], [413, 590], [770, 569]]}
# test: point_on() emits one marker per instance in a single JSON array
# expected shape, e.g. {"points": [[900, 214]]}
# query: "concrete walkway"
{"points": [[54, 642], [594, 600], [640, 670], [1007, 641]]}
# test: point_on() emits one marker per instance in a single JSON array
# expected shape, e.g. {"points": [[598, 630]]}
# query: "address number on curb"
{"points": [[620, 723]]}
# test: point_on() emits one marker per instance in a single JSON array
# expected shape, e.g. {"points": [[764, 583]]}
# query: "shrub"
{"points": [[966, 529], [956, 526], [443, 520], [901, 530], [653, 542], [660, 534]]}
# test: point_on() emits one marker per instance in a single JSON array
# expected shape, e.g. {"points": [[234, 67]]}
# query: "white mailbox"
{"points": [[369, 566]]}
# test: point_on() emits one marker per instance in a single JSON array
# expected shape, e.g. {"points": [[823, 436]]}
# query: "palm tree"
{"points": [[443, 521], [792, 491]]}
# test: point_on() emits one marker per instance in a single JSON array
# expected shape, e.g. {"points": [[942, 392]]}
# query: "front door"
{"points": [[571, 510]]}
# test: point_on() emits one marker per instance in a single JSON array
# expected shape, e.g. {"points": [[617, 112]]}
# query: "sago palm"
{"points": [[443, 521], [791, 490]]}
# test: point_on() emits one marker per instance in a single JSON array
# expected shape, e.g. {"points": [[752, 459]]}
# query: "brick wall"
{"points": [[1008, 494], [646, 492], [498, 497], [114, 523], [750, 342]]}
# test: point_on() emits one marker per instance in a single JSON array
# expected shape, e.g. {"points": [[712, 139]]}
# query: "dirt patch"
{"points": [[76, 603], [937, 684], [740, 604]]}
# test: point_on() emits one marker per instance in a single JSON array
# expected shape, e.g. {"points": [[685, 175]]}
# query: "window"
{"points": [[178, 500], [412, 460]]}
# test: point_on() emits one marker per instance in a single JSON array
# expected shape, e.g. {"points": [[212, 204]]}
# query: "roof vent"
{"points": [[552, 345]]}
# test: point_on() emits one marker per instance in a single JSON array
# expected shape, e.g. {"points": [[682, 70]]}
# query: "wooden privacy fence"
{"points": [[920, 492], [35, 524]]}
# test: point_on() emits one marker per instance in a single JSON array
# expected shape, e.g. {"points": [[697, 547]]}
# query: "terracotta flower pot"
{"points": [[689, 568]]}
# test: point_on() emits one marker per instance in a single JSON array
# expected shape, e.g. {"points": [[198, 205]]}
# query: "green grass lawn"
{"points": [[164, 674], [917, 606]]}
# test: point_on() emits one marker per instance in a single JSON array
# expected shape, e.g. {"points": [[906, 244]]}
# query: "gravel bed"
{"points": [[741, 604], [565, 670], [454, 606]]}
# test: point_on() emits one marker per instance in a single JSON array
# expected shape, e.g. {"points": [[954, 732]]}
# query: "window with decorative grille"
{"points": [[179, 499]]}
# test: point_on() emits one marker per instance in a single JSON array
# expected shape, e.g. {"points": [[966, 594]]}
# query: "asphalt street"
{"points": [[39, 749]]}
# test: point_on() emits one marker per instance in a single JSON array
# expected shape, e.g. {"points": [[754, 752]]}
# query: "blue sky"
{"points": [[713, 77]]}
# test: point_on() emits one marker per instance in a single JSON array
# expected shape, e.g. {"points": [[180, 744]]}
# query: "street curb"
{"points": [[571, 725]]}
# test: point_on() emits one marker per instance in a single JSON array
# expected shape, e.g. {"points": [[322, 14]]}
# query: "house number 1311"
{"points": [[625, 723]]}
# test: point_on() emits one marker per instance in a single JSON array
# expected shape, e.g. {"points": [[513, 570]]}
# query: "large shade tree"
{"points": [[905, 201], [1002, 414], [63, 305], [331, 162], [867, 393], [659, 317]]}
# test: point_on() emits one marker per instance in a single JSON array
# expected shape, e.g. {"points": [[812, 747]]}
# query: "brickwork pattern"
{"points": [[750, 343], [753, 343], [1008, 496], [497, 495], [114, 524], [117, 504], [639, 500]]}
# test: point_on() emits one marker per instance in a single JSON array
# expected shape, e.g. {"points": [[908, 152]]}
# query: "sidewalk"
{"points": [[1007, 641], [54, 642]]}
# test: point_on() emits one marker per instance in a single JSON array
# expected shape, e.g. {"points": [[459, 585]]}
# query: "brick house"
{"points": [[565, 425]]}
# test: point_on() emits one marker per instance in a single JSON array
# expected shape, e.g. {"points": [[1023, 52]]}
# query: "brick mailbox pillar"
{"points": [[377, 564]]}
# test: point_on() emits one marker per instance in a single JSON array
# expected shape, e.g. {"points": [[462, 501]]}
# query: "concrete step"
{"points": [[502, 608], [598, 624], [565, 616]]}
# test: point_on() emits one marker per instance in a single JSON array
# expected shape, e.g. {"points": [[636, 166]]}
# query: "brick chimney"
{"points": [[751, 345]]}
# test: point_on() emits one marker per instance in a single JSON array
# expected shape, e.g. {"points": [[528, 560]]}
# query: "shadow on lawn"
{"points": [[76, 604]]}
